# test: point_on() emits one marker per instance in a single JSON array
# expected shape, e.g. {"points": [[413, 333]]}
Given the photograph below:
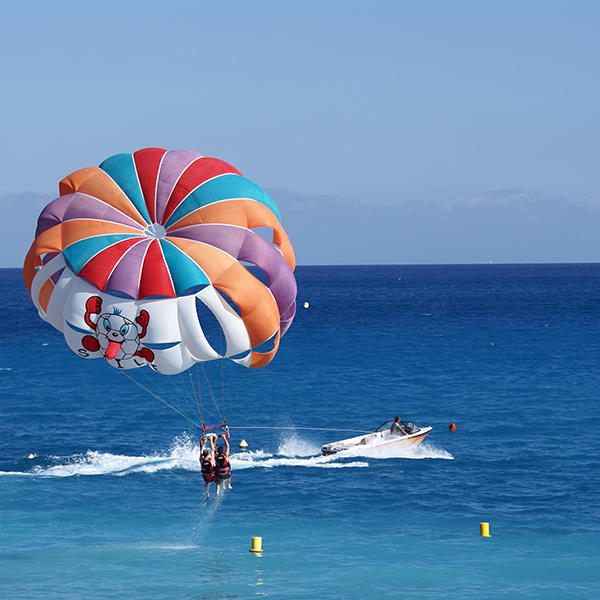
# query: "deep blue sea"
{"points": [[112, 503]]}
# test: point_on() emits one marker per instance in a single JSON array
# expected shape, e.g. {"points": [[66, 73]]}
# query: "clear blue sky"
{"points": [[423, 131]]}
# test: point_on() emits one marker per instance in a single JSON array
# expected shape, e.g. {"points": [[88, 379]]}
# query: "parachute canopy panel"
{"points": [[117, 253]]}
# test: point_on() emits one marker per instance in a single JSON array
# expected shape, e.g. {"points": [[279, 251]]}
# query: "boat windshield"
{"points": [[409, 426], [385, 426]]}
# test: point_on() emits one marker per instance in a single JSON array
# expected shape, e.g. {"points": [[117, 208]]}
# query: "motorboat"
{"points": [[381, 438]]}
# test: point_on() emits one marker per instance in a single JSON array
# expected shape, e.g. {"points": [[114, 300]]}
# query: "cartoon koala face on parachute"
{"points": [[119, 337]]}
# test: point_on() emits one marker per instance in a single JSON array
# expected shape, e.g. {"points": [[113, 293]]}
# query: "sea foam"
{"points": [[183, 453]]}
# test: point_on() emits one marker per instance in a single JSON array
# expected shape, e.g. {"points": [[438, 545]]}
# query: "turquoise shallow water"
{"points": [[112, 504]]}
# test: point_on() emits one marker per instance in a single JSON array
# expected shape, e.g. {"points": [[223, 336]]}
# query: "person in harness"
{"points": [[222, 466], [207, 463]]}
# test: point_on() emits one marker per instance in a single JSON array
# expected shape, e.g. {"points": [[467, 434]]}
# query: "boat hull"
{"points": [[380, 440]]}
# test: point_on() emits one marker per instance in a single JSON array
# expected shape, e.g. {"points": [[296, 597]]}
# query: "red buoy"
{"points": [[452, 427]]}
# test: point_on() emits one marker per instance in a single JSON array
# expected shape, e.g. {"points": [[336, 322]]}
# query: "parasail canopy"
{"points": [[137, 254]]}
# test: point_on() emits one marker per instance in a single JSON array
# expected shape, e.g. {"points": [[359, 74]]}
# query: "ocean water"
{"points": [[112, 503]]}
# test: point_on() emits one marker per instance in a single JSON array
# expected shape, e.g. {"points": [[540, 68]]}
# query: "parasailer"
{"points": [[223, 468], [207, 462], [137, 258]]}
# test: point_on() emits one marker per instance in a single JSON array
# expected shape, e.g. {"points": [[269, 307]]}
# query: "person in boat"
{"points": [[223, 468], [396, 428], [207, 463]]}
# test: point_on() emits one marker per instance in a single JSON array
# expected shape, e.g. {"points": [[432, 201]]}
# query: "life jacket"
{"points": [[207, 466], [222, 464]]}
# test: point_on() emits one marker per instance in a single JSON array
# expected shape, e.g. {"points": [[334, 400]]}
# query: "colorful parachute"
{"points": [[126, 259]]}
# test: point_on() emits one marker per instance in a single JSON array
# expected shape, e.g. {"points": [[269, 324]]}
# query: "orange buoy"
{"points": [[452, 427]]}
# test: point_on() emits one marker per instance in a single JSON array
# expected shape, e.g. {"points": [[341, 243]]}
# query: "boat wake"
{"points": [[182, 455], [292, 451], [423, 450]]}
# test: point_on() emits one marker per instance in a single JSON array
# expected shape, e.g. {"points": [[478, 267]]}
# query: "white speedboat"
{"points": [[381, 438]]}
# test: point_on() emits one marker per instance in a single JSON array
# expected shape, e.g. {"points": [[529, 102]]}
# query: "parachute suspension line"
{"points": [[200, 396], [222, 372], [211, 392], [200, 403], [156, 384], [177, 392], [238, 393], [159, 398], [223, 387], [201, 408], [196, 396], [183, 391]]}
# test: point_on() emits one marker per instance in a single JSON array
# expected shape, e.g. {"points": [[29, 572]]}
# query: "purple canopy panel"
{"points": [[245, 245], [174, 163], [88, 207], [46, 258], [80, 206], [125, 277], [53, 214], [287, 317], [57, 275]]}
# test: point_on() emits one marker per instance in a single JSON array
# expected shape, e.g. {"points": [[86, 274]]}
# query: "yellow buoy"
{"points": [[306, 305], [256, 544], [31, 456], [484, 529], [243, 444]]}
